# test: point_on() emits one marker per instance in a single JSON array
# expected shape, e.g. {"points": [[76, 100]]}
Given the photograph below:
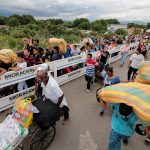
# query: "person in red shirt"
{"points": [[29, 59], [90, 70]]}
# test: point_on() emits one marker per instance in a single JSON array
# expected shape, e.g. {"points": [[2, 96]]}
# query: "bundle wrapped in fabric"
{"points": [[22, 112], [143, 75], [7, 56], [136, 95], [61, 42]]}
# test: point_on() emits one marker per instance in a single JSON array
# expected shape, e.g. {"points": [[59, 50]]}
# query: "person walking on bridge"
{"points": [[90, 71], [51, 91]]}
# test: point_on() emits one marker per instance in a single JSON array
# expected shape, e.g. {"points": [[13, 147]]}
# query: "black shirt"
{"points": [[104, 57], [5, 66], [37, 59]]}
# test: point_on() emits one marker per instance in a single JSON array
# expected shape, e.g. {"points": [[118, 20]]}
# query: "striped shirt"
{"points": [[90, 70]]}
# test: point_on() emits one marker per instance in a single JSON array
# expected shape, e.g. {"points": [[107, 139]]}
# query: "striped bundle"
{"points": [[143, 73], [136, 95]]}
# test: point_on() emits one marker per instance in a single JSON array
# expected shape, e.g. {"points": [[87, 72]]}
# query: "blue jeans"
{"points": [[123, 58], [115, 140]]}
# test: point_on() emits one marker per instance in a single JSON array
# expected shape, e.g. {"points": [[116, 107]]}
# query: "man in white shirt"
{"points": [[135, 60], [20, 65], [52, 92]]}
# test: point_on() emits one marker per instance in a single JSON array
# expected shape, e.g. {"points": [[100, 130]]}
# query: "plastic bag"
{"points": [[12, 132], [22, 112], [4, 145]]}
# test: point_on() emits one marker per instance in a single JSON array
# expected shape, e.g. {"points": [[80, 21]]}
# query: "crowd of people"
{"points": [[34, 54], [97, 70]]}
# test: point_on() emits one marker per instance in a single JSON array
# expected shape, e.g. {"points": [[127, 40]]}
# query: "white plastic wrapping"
{"points": [[12, 132], [4, 145]]}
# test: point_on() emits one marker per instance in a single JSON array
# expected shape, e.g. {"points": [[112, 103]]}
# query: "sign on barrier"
{"points": [[28, 73], [8, 101], [70, 76], [14, 77]]}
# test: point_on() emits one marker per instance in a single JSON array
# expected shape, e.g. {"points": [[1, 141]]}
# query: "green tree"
{"points": [[56, 30], [81, 23], [148, 26], [54, 21], [99, 26], [68, 24], [26, 19], [136, 25], [120, 32], [13, 22], [3, 20], [112, 21]]}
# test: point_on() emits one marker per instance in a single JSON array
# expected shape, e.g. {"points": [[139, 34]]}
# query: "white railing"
{"points": [[14, 77]]}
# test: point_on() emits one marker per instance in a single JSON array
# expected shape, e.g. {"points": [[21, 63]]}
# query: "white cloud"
{"points": [[70, 9]]}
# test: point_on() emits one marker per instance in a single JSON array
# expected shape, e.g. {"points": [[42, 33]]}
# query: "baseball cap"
{"points": [[43, 67]]}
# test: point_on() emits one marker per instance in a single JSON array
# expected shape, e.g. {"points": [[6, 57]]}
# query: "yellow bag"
{"points": [[61, 42], [143, 75], [22, 112], [8, 56]]}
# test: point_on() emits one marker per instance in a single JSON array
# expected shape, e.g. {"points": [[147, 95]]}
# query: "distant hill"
{"points": [[136, 22]]}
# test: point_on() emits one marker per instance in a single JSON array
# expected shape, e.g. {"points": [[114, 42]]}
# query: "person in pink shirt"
{"points": [[124, 52]]}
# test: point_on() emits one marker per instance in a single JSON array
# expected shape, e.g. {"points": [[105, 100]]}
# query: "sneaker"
{"points": [[87, 91], [147, 141], [125, 141], [101, 113]]}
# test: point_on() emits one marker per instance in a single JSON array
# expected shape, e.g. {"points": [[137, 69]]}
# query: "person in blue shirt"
{"points": [[68, 52], [110, 79], [123, 125]]}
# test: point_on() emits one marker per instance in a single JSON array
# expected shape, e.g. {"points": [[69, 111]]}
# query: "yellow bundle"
{"points": [[61, 42], [136, 95], [8, 56], [143, 73]]}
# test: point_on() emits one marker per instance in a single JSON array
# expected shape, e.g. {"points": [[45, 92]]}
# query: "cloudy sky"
{"points": [[124, 10]]}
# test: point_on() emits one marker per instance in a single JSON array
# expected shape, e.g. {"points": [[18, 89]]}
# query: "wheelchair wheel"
{"points": [[42, 139]]}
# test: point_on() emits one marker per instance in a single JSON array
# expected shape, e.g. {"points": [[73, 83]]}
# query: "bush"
{"points": [[120, 32], [17, 34]]}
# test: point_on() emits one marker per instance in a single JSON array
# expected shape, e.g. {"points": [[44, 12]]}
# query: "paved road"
{"points": [[86, 129], [84, 116]]}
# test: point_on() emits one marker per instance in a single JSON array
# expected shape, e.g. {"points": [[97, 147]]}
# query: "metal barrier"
{"points": [[12, 77]]}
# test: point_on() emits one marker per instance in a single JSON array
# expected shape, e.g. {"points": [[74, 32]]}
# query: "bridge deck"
{"points": [[84, 116]]}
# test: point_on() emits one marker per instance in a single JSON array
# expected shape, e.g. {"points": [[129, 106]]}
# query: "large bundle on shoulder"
{"points": [[136, 95], [143, 73], [59, 42], [8, 56]]}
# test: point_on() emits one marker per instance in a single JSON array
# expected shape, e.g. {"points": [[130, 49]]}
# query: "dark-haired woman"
{"points": [[110, 79]]}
